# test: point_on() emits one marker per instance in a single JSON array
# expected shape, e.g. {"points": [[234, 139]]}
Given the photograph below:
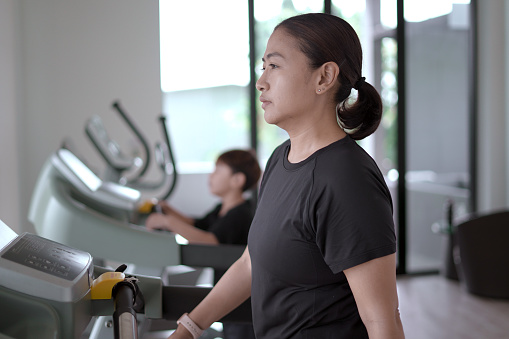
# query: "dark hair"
{"points": [[324, 38], [244, 162]]}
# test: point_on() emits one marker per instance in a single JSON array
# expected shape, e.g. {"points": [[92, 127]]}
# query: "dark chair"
{"points": [[483, 243]]}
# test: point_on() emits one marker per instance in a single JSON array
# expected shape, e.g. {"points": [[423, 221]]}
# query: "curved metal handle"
{"points": [[139, 135], [124, 317]]}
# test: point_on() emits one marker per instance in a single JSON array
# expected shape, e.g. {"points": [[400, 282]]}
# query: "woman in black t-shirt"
{"points": [[320, 261]]}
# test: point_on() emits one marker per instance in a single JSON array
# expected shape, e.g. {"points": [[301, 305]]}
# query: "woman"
{"points": [[320, 261]]}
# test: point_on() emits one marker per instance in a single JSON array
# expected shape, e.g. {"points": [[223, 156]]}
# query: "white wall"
{"points": [[493, 108], [506, 29], [9, 148], [80, 56]]}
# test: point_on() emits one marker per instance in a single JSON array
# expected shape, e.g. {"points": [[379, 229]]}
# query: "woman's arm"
{"points": [[231, 290], [171, 223], [168, 209], [373, 284]]}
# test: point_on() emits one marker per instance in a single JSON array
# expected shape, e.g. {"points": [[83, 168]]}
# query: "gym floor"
{"points": [[433, 307]]}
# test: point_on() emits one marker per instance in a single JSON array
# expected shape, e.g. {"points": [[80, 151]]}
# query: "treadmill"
{"points": [[73, 206], [52, 291]]}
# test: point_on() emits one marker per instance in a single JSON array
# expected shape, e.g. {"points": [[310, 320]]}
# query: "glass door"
{"points": [[437, 53]]}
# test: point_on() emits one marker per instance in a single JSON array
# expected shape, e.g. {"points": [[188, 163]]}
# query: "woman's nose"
{"points": [[261, 84]]}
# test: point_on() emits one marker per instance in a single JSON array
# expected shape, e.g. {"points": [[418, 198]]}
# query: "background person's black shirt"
{"points": [[231, 228]]}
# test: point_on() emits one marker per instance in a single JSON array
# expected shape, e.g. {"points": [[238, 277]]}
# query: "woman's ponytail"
{"points": [[361, 118]]}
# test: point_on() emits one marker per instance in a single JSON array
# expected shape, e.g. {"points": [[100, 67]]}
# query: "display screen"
{"points": [[47, 256], [88, 177], [6, 235]]}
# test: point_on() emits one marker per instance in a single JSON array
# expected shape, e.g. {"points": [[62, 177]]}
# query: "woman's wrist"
{"points": [[190, 326], [182, 332]]}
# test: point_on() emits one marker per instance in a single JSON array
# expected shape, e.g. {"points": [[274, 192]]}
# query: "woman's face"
{"points": [[220, 181], [287, 85]]}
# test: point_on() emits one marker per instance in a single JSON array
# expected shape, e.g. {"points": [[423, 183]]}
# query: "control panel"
{"points": [[43, 268]]}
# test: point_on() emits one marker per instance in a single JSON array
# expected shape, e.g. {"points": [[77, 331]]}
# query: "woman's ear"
{"points": [[239, 180], [328, 74]]}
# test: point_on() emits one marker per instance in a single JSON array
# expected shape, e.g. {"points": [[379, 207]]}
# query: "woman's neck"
{"points": [[307, 143], [230, 201], [312, 130]]}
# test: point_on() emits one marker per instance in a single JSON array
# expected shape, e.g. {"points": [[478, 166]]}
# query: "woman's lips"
{"points": [[265, 102]]}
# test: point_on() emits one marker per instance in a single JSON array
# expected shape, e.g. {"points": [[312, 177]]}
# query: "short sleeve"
{"points": [[351, 215]]}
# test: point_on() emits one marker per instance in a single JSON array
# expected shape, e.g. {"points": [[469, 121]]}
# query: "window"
{"points": [[437, 125], [205, 78], [422, 144]]}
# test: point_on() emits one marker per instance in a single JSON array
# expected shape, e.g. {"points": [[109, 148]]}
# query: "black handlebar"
{"points": [[124, 317], [162, 120], [137, 132]]}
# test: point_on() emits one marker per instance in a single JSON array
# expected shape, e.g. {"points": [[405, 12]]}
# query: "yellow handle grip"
{"points": [[102, 286]]}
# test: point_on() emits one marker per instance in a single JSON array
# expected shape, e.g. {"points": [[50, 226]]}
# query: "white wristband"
{"points": [[190, 326]]}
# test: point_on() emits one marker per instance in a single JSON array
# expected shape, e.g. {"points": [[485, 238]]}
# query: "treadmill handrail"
{"points": [[167, 158], [166, 134], [108, 148]]}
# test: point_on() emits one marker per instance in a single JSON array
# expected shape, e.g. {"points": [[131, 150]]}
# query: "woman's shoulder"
{"points": [[346, 161], [344, 153]]}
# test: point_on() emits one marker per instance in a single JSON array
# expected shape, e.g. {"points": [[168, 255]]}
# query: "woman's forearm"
{"points": [[389, 328], [232, 290]]}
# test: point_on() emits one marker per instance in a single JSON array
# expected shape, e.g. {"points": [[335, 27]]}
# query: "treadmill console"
{"points": [[43, 268]]}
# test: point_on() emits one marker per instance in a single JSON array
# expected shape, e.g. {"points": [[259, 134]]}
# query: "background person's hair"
{"points": [[244, 162], [324, 38]]}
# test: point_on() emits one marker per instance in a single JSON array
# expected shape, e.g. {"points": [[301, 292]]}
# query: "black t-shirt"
{"points": [[232, 228], [315, 219]]}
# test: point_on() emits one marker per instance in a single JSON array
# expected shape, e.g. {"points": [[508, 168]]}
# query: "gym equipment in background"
{"points": [[73, 206], [119, 164]]}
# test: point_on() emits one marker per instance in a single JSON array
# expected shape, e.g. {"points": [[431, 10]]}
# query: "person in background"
{"points": [[320, 260], [236, 171]]}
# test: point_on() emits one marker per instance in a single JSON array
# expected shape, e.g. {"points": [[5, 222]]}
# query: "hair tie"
{"points": [[359, 83]]}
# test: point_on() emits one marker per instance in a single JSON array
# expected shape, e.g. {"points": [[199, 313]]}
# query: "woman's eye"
{"points": [[272, 66]]}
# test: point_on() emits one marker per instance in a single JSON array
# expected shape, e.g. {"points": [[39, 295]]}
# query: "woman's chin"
{"points": [[270, 118]]}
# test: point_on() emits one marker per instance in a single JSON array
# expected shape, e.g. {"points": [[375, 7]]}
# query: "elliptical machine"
{"points": [[128, 170]]}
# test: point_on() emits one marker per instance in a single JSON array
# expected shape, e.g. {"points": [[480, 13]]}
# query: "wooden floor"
{"points": [[433, 307]]}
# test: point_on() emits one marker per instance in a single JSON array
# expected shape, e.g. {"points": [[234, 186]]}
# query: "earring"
{"points": [[319, 90]]}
